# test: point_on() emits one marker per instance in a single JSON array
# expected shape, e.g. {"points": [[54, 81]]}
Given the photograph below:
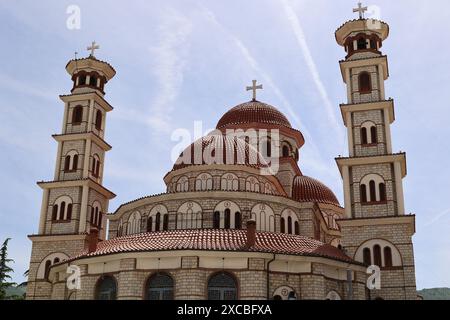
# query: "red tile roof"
{"points": [[253, 112], [306, 189], [217, 240]]}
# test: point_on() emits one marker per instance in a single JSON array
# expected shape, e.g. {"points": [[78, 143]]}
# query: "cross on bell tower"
{"points": [[254, 87], [94, 46], [360, 10]]}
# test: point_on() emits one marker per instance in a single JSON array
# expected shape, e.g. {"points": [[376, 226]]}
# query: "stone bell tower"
{"points": [[75, 201], [376, 230]]}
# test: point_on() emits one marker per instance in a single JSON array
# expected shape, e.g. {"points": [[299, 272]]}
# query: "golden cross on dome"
{"points": [[360, 10], [254, 87], [93, 47]]}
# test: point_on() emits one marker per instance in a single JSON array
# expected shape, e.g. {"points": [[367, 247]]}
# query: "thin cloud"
{"points": [[171, 59], [300, 36]]}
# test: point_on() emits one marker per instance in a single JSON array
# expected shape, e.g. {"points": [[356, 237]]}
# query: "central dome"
{"points": [[253, 112]]}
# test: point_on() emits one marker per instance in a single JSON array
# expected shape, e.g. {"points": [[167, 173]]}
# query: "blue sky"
{"points": [[183, 61]]}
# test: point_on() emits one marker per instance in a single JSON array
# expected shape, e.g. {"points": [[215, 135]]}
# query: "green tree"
{"points": [[5, 270]]}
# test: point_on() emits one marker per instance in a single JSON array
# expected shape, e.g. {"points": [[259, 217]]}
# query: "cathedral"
{"points": [[239, 218]]}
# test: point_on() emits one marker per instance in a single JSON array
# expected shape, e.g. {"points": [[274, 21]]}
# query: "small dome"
{"points": [[253, 112], [306, 189], [220, 149]]}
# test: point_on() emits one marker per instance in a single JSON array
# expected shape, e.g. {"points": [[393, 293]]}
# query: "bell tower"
{"points": [[376, 230], [75, 202]]}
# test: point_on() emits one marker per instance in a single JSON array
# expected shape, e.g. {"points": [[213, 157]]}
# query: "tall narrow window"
{"points": [[82, 80], [62, 211], [387, 257], [55, 212], [98, 120], [363, 135], [382, 192], [93, 81], [373, 192], [269, 148], [92, 215], [227, 219], [365, 85], [373, 134], [285, 151], [289, 225], [69, 211], [157, 221], [297, 228], [366, 256], [216, 220], [166, 222], [75, 162], [67, 164], [237, 220], [377, 255], [282, 225], [77, 115], [363, 193], [97, 168]]}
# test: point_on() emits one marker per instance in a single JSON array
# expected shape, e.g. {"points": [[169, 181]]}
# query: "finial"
{"points": [[360, 10], [92, 48], [254, 87]]}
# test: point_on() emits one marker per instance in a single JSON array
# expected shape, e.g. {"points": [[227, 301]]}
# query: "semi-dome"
{"points": [[220, 149], [253, 112], [306, 189]]}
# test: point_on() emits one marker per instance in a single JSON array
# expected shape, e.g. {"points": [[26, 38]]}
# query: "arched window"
{"points": [[106, 288], [282, 225], [387, 256], [55, 212], [69, 212], [363, 193], [67, 164], [159, 287], [150, 224], [377, 255], [237, 220], [289, 225], [372, 190], [373, 134], [285, 151], [56, 260], [82, 80], [182, 184], [93, 81], [134, 223], [364, 135], [75, 163], [98, 120], [227, 221], [216, 220], [229, 182], [222, 286], [297, 228], [365, 85], [382, 192], [96, 166], [189, 216], [204, 182], [362, 43], [264, 217], [77, 115], [165, 222], [252, 184], [62, 210], [96, 214], [367, 256]]}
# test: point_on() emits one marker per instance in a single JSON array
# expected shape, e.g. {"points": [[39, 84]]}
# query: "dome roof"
{"points": [[253, 112], [306, 189], [220, 149]]}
